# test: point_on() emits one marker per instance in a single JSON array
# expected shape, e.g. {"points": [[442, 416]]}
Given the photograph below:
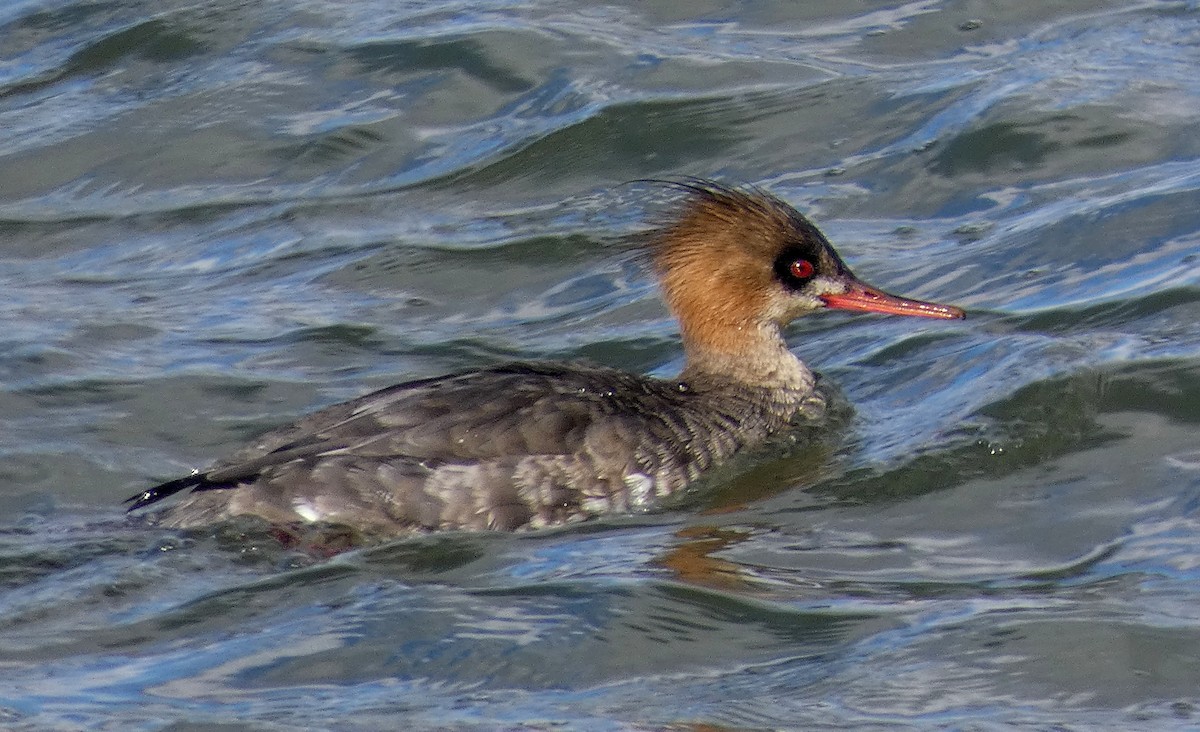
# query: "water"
{"points": [[215, 216]]}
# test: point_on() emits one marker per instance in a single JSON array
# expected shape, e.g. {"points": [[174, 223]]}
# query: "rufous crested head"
{"points": [[736, 265]]}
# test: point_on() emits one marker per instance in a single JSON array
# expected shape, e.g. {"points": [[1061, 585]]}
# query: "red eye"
{"points": [[801, 269]]}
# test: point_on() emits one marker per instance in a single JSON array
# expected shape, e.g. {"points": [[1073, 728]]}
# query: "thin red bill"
{"points": [[868, 299]]}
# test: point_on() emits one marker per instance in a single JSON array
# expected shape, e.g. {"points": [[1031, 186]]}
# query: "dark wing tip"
{"points": [[165, 490]]}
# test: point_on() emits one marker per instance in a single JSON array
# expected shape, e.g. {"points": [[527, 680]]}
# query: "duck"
{"points": [[530, 445]]}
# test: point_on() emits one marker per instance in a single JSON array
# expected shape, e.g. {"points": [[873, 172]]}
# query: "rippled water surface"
{"points": [[215, 216]]}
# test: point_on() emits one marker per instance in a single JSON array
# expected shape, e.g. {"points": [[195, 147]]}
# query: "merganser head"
{"points": [[739, 264]]}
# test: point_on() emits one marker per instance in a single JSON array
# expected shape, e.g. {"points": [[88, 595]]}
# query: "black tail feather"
{"points": [[195, 482]]}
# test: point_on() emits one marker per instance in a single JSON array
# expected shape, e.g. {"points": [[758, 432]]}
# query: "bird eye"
{"points": [[801, 269]]}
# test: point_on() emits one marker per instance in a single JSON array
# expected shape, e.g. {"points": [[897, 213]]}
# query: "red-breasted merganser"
{"points": [[530, 445]]}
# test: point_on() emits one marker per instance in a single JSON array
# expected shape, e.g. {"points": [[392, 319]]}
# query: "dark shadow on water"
{"points": [[1038, 423]]}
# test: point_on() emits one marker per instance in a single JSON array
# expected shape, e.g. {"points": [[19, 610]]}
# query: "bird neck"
{"points": [[753, 354]]}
